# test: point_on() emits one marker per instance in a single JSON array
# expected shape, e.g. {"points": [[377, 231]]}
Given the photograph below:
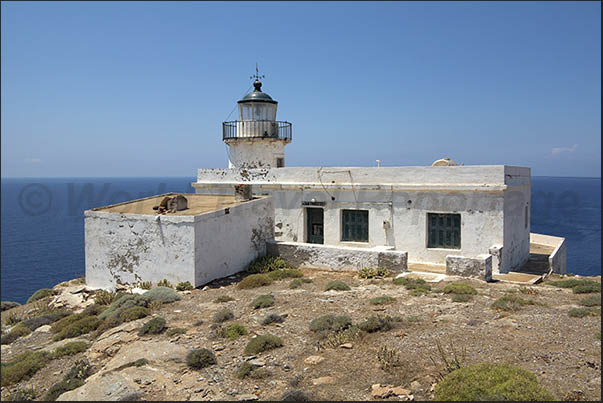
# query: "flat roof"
{"points": [[197, 204]]}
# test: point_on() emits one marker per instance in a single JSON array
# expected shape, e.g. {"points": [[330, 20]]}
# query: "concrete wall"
{"points": [[398, 200], [255, 153], [557, 259], [225, 243], [338, 258], [129, 248]]}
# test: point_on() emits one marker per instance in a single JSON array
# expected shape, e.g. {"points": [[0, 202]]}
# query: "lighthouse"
{"points": [[257, 139]]}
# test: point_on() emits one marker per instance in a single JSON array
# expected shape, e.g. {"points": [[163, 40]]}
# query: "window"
{"points": [[526, 215], [444, 231], [280, 162], [355, 225]]}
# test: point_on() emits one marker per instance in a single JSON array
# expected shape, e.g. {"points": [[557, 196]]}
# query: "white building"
{"points": [[465, 220]]}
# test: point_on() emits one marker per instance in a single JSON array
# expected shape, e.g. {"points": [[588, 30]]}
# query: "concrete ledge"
{"points": [[337, 257], [557, 259], [479, 267]]}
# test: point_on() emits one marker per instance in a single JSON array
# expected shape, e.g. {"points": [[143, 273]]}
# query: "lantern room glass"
{"points": [[257, 111]]}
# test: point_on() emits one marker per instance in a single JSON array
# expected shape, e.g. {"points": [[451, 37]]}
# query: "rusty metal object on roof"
{"points": [[172, 204], [242, 192]]}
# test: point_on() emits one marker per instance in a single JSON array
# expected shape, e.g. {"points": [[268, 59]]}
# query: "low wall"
{"points": [[557, 259], [479, 267], [336, 257]]}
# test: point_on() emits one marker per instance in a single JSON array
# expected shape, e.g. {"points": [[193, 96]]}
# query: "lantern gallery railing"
{"points": [[262, 129]]}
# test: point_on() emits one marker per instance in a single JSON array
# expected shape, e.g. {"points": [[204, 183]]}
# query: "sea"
{"points": [[42, 223]]}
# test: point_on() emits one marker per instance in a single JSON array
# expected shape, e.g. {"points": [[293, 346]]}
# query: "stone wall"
{"points": [[479, 267]]}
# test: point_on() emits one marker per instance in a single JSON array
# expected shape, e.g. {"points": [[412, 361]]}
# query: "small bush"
{"points": [[263, 343], [233, 331], [384, 300], [94, 309], [337, 286], [82, 326], [459, 289], [416, 286], [15, 333], [46, 319], [254, 281], [389, 359], [491, 382], [263, 301], [223, 315], [529, 290], [145, 285], [296, 283], [573, 282], [376, 324], [184, 286], [373, 272], [336, 339], [133, 313], [594, 300], [273, 318], [103, 297], [80, 370], [109, 323], [138, 363], [123, 301], [154, 326], [461, 297], [582, 312], [41, 293], [417, 292], [296, 396], [201, 358], [164, 283], [70, 349], [23, 366], [163, 294], [22, 395], [223, 298], [12, 319], [61, 387], [66, 321], [175, 331], [248, 370], [285, 273], [6, 305], [330, 323], [155, 306], [266, 264], [588, 288], [511, 303]]}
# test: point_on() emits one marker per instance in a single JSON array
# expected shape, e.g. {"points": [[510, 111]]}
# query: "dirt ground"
{"points": [[564, 352]]}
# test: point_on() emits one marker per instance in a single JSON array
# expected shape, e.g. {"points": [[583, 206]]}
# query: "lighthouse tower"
{"points": [[257, 139]]}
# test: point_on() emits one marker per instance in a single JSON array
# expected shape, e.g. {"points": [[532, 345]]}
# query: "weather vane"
{"points": [[257, 75]]}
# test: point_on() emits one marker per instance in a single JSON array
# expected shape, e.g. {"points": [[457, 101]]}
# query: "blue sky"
{"points": [[141, 89]]}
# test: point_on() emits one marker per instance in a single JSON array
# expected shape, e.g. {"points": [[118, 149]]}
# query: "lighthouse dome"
{"points": [[257, 95]]}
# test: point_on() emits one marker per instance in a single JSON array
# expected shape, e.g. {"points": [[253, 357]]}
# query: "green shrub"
{"points": [[223, 315], [109, 323], [61, 387], [201, 358], [80, 370], [94, 309], [184, 286], [572, 282], [223, 298], [122, 302], [417, 292], [164, 283], [175, 331], [70, 349], [41, 293], [266, 264], [163, 294], [247, 370], [373, 272], [459, 289], [594, 300], [383, 300], [589, 288], [491, 382], [417, 286], [273, 318], [22, 395], [254, 281], [145, 285], [103, 297], [12, 319], [263, 301], [262, 343], [79, 327], [233, 331], [337, 338], [337, 286], [582, 312], [23, 366], [296, 396], [6, 305], [46, 319], [66, 321], [133, 313], [511, 303], [461, 297], [330, 322], [376, 324], [154, 326], [296, 283], [284, 273], [14, 333], [138, 363]]}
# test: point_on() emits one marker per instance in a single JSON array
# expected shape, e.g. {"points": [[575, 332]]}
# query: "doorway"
{"points": [[315, 223]]}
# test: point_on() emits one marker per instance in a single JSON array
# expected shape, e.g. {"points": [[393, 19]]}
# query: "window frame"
{"points": [[344, 213], [431, 243]]}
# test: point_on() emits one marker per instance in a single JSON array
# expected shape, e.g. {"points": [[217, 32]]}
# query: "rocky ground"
{"points": [[564, 352]]}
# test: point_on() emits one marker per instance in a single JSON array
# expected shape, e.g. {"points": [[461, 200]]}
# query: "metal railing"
{"points": [[258, 129]]}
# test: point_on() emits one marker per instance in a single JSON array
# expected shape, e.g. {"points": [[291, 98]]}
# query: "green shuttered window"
{"points": [[444, 231], [355, 226]]}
